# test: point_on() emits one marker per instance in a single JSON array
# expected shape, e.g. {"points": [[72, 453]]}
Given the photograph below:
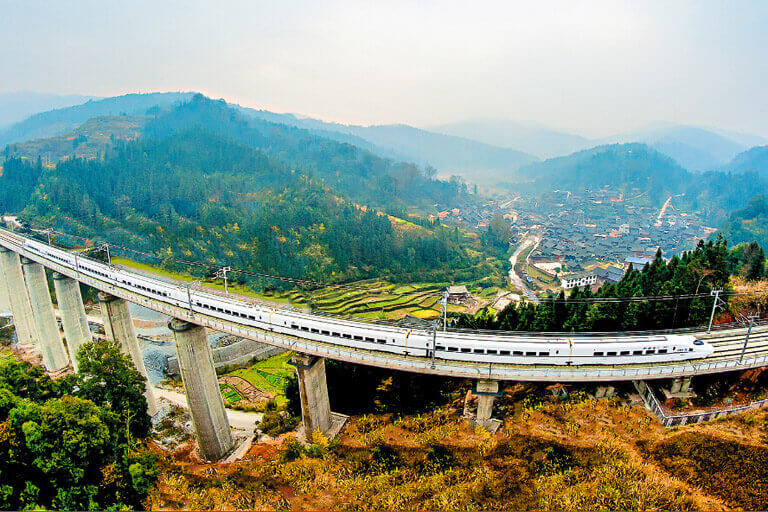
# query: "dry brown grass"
{"points": [[582, 454]]}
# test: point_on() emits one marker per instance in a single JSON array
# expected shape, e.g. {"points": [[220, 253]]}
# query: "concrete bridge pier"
{"points": [[18, 298], [5, 301], [605, 391], [73, 318], [202, 389], [486, 391], [681, 385], [313, 391], [54, 354], [118, 327]]}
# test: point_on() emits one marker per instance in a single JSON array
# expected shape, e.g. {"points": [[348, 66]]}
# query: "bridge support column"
{"points": [[202, 388], [681, 385], [313, 390], [54, 354], [605, 392], [118, 327], [486, 391], [5, 301], [73, 318], [18, 298]]}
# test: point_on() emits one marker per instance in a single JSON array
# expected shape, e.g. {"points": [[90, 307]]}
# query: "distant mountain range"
{"points": [[694, 148], [473, 160], [17, 106], [484, 151], [527, 137]]}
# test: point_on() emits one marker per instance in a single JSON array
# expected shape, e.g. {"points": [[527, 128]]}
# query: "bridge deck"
{"points": [[727, 343]]}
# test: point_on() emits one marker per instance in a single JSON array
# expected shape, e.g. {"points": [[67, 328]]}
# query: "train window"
{"points": [[637, 353], [466, 350], [662, 351], [316, 331], [358, 338], [327, 333], [336, 334], [304, 328], [530, 353], [479, 351], [369, 340], [543, 354], [624, 352], [610, 353], [294, 326], [253, 317], [492, 351], [504, 352], [379, 340], [517, 353], [599, 354], [650, 351], [453, 349], [439, 347], [348, 336]]}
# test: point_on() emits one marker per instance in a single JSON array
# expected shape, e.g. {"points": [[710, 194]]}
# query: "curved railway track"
{"points": [[727, 343]]}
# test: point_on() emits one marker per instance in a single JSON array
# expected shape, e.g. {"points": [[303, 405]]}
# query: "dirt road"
{"points": [[517, 280]]}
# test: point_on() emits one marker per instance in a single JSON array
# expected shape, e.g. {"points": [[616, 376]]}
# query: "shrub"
{"points": [[274, 423]]}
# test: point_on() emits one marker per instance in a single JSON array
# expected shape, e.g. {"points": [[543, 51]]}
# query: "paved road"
{"points": [[516, 279], [245, 421]]}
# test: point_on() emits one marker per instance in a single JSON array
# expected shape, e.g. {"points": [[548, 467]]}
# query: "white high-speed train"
{"points": [[462, 346]]}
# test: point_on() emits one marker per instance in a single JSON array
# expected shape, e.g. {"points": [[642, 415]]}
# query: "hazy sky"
{"points": [[592, 68]]}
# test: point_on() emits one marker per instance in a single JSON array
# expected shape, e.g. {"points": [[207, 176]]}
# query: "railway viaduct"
{"points": [[24, 288]]}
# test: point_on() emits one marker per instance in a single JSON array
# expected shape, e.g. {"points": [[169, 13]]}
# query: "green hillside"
{"points": [[204, 184]]}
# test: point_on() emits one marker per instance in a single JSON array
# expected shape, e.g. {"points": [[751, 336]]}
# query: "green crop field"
{"points": [[269, 375], [229, 393]]}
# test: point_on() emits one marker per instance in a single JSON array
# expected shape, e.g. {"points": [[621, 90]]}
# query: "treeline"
{"points": [[74, 443], [699, 271], [195, 195]]}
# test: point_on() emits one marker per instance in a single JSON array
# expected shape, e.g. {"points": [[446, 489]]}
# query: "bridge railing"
{"points": [[544, 334], [674, 420]]}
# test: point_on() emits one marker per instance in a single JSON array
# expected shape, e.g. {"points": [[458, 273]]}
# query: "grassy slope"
{"points": [[581, 454]]}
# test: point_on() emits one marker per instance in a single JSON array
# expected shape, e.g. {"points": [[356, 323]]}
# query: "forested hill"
{"points": [[622, 167], [748, 224], [195, 195], [753, 160], [639, 171], [55, 122], [362, 176]]}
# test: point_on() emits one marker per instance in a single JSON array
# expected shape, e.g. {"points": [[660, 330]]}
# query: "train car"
{"points": [[485, 347]]}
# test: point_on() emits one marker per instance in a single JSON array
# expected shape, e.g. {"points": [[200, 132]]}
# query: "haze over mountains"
{"points": [[17, 106], [484, 151], [695, 148]]}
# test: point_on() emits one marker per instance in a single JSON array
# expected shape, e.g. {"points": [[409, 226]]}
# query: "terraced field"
{"points": [[374, 299]]}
